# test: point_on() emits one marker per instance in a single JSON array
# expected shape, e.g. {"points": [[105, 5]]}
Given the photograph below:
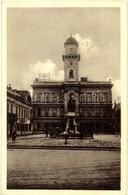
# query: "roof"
{"points": [[19, 95], [71, 40]]}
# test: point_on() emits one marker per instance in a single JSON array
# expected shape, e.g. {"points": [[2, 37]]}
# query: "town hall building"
{"points": [[72, 105]]}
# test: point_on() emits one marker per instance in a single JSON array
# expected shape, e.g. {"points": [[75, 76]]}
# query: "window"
{"points": [[71, 74], [29, 127], [54, 112], [106, 111], [27, 113], [24, 113], [38, 97], [101, 111], [89, 111], [97, 111], [46, 113], [89, 97], [38, 125], [61, 112], [104, 96], [19, 112], [34, 112], [95, 96], [30, 113], [47, 98], [82, 99], [54, 98], [11, 108], [82, 111], [16, 110], [39, 112]]}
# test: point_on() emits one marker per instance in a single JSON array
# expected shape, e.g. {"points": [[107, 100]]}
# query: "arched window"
{"points": [[82, 97], [71, 75], [46, 112], [47, 98]]}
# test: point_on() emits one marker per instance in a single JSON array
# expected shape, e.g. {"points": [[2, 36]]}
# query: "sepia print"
{"points": [[63, 124]]}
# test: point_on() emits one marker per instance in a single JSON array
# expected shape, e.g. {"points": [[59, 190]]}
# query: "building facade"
{"points": [[72, 105], [19, 112], [117, 118]]}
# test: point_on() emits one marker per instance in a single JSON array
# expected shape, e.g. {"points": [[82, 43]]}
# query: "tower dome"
{"points": [[71, 59], [71, 40]]}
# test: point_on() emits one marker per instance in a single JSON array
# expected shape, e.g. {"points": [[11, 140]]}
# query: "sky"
{"points": [[35, 44]]}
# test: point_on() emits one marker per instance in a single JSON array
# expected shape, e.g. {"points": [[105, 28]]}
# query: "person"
{"points": [[54, 132], [51, 132], [46, 132], [116, 134], [66, 137], [57, 131], [14, 136]]}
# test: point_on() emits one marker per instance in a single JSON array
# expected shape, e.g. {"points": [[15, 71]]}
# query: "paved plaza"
{"points": [[63, 169], [56, 168]]}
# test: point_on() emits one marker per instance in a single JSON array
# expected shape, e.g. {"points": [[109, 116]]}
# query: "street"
{"points": [[63, 169]]}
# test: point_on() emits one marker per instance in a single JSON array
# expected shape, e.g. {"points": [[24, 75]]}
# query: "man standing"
{"points": [[13, 136]]}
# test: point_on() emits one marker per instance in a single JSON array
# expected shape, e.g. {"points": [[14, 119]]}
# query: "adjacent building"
{"points": [[117, 118], [72, 105], [19, 111]]}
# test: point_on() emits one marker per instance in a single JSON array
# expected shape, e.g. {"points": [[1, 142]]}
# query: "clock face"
{"points": [[71, 49]]}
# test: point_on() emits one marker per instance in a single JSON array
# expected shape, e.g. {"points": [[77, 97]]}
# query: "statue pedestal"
{"points": [[71, 114]]}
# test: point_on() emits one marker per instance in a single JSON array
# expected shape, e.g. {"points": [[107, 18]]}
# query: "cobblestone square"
{"points": [[64, 169]]}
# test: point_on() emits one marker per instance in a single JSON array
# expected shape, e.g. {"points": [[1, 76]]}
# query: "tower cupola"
{"points": [[71, 40], [71, 59]]}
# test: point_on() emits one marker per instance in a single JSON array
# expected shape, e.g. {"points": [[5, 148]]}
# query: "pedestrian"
{"points": [[14, 136], [57, 131], [46, 131], [51, 132], [66, 138], [116, 134]]}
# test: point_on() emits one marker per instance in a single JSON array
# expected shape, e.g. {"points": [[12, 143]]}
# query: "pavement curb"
{"points": [[64, 148]]}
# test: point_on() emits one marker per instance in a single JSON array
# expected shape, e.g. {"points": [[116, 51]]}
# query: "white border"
{"points": [[67, 3]]}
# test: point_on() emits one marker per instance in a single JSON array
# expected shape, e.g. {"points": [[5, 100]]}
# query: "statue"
{"points": [[71, 104]]}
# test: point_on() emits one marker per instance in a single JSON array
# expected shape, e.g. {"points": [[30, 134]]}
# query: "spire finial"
{"points": [[70, 35]]}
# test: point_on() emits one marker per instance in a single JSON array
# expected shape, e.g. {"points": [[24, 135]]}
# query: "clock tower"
{"points": [[71, 59]]}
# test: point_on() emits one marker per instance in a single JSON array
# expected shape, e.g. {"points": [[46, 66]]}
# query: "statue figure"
{"points": [[71, 104]]}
